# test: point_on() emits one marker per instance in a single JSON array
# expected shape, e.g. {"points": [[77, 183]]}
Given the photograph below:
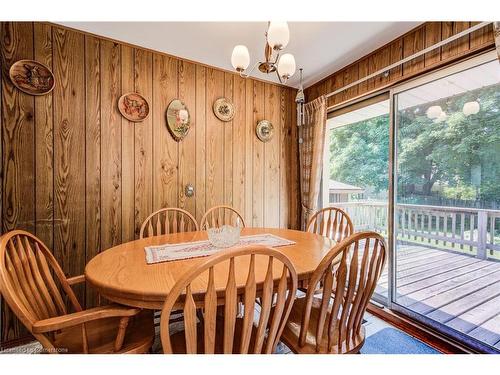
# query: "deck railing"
{"points": [[466, 230]]}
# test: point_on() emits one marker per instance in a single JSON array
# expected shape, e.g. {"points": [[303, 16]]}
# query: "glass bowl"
{"points": [[224, 236]]}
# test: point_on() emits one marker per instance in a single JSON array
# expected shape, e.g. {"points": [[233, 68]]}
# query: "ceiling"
{"points": [[321, 48]]}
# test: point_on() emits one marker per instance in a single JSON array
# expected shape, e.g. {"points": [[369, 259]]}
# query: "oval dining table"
{"points": [[121, 274]]}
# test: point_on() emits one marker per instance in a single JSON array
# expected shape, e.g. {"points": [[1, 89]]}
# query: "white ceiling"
{"points": [[320, 48]]}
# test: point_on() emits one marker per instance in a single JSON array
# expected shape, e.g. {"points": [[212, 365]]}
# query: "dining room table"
{"points": [[124, 274]]}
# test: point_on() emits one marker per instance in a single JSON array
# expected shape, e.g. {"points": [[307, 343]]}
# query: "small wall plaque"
{"points": [[224, 109], [178, 119], [32, 77], [133, 106], [264, 130]]}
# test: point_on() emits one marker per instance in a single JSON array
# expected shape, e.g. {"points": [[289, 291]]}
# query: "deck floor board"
{"points": [[455, 289]]}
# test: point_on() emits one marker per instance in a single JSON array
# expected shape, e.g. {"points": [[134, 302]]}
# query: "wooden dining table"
{"points": [[121, 274]]}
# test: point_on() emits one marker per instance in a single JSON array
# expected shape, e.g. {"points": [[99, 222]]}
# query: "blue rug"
{"points": [[393, 341]]}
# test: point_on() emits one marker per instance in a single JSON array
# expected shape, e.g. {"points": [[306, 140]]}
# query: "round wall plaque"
{"points": [[133, 106], [224, 109], [264, 130], [178, 119], [32, 77]]}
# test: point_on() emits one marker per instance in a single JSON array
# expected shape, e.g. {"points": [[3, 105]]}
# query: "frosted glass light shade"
{"points": [[442, 117], [278, 35], [471, 108], [286, 65], [240, 59], [434, 112]]}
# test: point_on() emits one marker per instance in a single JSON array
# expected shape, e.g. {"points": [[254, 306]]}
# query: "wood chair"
{"points": [[35, 288], [219, 330], [349, 272], [168, 220], [331, 222], [221, 215]]}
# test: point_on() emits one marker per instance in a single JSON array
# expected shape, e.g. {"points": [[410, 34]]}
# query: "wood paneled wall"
{"points": [[421, 37], [83, 178]]}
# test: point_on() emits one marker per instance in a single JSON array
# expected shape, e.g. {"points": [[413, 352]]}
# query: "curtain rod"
{"points": [[409, 58]]}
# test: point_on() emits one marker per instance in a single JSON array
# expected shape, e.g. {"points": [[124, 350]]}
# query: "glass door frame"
{"points": [[458, 67], [352, 105]]}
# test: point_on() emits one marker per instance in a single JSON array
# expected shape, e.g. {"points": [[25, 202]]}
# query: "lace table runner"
{"points": [[186, 250]]}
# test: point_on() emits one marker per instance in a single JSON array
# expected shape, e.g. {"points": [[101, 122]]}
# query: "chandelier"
{"points": [[277, 37]]}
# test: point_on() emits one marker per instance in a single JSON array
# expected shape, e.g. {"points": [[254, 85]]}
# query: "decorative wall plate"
{"points": [[32, 77], [264, 130], [133, 106], [224, 109], [178, 119]]}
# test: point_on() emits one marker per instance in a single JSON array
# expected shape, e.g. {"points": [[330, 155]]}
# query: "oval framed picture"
{"points": [[264, 130], [178, 119], [224, 109], [133, 106], [32, 77]]}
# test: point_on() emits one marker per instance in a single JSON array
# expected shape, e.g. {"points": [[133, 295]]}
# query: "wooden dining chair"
{"points": [[331, 222], [349, 272], [214, 282], [168, 220], [36, 289], [221, 215]]}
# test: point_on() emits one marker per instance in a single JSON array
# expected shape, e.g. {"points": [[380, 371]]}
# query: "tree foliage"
{"points": [[458, 158]]}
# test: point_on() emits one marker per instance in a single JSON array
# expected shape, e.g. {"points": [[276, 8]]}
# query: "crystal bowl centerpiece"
{"points": [[224, 236]]}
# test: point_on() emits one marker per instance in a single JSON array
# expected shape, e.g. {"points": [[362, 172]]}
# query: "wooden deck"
{"points": [[460, 291]]}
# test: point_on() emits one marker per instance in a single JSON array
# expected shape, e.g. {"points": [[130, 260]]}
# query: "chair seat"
{"points": [[291, 332], [178, 340], [101, 335]]}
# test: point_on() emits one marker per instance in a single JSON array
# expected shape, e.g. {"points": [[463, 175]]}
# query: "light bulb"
{"points": [[471, 108], [240, 59], [434, 112], [286, 65], [442, 117], [278, 35]]}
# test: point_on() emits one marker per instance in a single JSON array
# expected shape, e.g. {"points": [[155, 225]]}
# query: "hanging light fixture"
{"points": [[277, 38], [442, 117], [434, 112], [471, 108]]}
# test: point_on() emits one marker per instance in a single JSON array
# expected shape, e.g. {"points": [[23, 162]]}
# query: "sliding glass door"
{"points": [[421, 166], [355, 174], [446, 240]]}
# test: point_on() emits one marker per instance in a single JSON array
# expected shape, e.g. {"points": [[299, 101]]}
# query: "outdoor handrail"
{"points": [[455, 228]]}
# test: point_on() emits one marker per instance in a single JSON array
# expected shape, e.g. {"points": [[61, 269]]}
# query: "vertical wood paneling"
{"points": [[200, 135], [166, 149], [187, 148], [417, 39], [145, 150], [258, 157], [93, 154], [457, 47], [271, 159], [481, 37], [227, 128], [413, 43], [285, 149], [43, 128], [249, 141], [128, 148], [18, 137], [69, 152], [293, 163], [83, 178], [18, 163], [214, 141], [432, 36], [111, 151], [239, 138]]}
